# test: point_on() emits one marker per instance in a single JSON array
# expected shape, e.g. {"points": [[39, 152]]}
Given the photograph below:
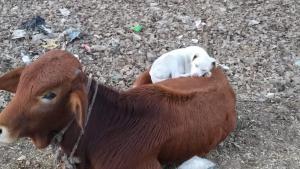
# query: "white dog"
{"points": [[185, 62]]}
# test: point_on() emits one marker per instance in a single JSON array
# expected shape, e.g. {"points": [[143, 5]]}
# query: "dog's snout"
{"points": [[214, 63]]}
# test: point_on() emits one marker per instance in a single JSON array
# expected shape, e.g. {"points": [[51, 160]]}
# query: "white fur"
{"points": [[5, 137], [197, 163], [180, 63]]}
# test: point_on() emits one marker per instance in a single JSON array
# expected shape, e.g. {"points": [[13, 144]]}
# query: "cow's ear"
{"points": [[10, 80], [79, 106]]}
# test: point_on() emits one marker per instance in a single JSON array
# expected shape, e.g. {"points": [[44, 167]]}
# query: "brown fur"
{"points": [[140, 128], [143, 78]]}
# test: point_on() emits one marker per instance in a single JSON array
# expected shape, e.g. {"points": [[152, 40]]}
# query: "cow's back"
{"points": [[192, 115]]}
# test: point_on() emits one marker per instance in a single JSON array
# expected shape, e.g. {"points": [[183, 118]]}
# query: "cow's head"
{"points": [[49, 92]]}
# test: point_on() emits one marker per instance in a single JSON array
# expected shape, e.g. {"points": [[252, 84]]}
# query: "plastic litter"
{"points": [[36, 23], [297, 63], [73, 36], [25, 58], [137, 28], [49, 45], [199, 23], [37, 37], [223, 66], [64, 12], [87, 48], [70, 49], [19, 33]]}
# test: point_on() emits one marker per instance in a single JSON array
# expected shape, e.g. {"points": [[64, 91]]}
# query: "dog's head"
{"points": [[201, 63]]}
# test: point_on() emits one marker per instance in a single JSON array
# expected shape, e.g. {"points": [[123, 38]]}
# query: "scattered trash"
{"points": [[73, 36], [36, 22], [195, 40], [50, 45], [270, 95], [223, 66], [64, 12], [37, 37], [297, 63], [98, 48], [25, 58], [70, 49], [21, 158], [86, 47], [253, 22], [199, 23], [115, 76], [136, 37], [19, 33], [137, 28]]}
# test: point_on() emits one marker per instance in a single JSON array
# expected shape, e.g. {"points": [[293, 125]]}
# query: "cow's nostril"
{"points": [[0, 131]]}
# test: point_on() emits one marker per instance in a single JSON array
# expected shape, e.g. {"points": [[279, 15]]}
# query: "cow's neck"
{"points": [[104, 98]]}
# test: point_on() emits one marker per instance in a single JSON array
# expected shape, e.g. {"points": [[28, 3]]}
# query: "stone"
{"points": [[98, 48], [150, 56]]}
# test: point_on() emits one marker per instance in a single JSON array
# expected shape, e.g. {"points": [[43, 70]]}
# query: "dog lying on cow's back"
{"points": [[192, 61]]}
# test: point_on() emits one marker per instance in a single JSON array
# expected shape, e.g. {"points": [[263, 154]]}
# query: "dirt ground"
{"points": [[258, 39]]}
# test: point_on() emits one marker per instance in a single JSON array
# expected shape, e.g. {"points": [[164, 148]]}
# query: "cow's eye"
{"points": [[49, 96]]}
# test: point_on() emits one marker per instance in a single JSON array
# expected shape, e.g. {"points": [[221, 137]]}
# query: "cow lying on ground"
{"points": [[140, 128]]}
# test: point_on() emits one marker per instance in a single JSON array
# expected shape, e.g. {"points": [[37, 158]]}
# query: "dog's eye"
{"points": [[196, 65], [49, 96]]}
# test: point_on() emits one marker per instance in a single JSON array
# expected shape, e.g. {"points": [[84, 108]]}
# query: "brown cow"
{"points": [[140, 128]]}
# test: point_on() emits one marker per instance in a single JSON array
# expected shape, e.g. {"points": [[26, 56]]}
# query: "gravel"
{"points": [[258, 39]]}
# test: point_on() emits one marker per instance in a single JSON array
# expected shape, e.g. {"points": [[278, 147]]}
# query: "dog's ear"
{"points": [[194, 57]]}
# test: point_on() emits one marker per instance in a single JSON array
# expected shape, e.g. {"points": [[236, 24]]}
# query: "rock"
{"points": [[27, 163], [183, 19], [136, 37], [296, 80], [222, 9], [154, 4], [21, 158], [98, 48], [194, 40], [115, 76], [150, 56], [253, 22], [270, 95]]}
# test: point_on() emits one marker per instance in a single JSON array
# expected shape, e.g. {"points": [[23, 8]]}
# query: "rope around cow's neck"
{"points": [[69, 162]]}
